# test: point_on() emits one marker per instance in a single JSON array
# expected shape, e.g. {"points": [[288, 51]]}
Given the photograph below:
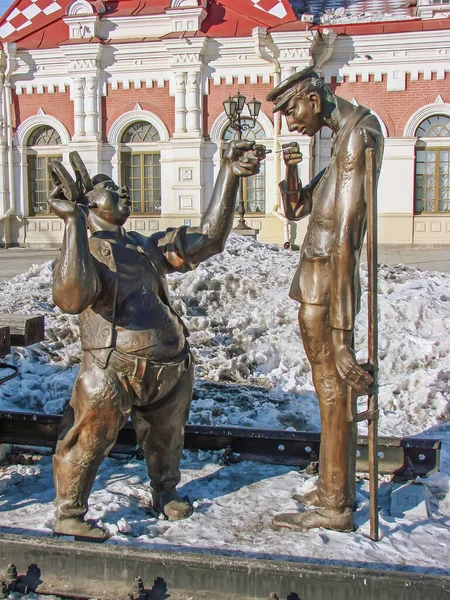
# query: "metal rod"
{"points": [[372, 267], [14, 369]]}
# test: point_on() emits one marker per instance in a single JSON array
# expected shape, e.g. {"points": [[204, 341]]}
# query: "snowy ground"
{"points": [[251, 371]]}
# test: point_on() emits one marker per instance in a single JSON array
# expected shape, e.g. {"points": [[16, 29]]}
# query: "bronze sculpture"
{"points": [[136, 360], [327, 282]]}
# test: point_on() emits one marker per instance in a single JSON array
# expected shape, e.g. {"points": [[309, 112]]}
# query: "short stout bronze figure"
{"points": [[327, 281], [136, 360]]}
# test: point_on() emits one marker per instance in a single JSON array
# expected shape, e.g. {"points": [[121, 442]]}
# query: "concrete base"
{"points": [[247, 232], [407, 501]]}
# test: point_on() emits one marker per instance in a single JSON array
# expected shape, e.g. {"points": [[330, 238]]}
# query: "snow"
{"points": [[251, 371], [342, 16]]}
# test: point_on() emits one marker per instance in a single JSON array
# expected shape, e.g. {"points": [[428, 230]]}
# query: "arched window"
{"points": [[43, 146], [141, 167], [254, 188], [432, 193]]}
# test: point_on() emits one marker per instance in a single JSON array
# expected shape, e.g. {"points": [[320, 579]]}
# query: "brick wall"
{"points": [[56, 105], [395, 108], [156, 100], [219, 93]]}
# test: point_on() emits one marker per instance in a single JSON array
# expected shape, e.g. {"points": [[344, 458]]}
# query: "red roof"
{"points": [[39, 23], [27, 16], [231, 18]]}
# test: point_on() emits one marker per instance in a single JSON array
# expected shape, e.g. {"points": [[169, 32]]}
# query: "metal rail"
{"points": [[403, 457], [108, 572]]}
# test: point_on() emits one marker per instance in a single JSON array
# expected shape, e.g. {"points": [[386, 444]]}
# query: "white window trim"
{"points": [[222, 121], [26, 128], [430, 110], [120, 125]]}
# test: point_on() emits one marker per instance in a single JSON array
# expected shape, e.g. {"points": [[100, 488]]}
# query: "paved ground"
{"points": [[17, 260], [426, 258]]}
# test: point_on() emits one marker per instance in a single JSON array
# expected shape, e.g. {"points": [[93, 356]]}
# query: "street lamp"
{"points": [[233, 109]]}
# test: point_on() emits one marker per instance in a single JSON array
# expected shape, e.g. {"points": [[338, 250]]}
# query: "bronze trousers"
{"points": [[157, 397], [337, 460]]}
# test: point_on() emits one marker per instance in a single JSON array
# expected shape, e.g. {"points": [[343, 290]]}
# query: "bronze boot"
{"points": [[309, 499], [171, 504], [73, 484], [316, 518]]}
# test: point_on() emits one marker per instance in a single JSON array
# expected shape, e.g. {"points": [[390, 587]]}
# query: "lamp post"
{"points": [[233, 109]]}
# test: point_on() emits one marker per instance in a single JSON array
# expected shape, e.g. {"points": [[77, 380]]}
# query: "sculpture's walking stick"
{"points": [[371, 414], [372, 267]]}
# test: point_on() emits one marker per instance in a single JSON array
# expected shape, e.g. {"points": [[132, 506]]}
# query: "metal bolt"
{"points": [[138, 585], [33, 568], [4, 590], [11, 573]]}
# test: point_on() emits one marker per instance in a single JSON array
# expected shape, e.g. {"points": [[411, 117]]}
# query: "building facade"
{"points": [[137, 88]]}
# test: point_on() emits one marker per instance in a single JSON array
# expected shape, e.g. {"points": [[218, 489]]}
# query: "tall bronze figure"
{"points": [[136, 360], [327, 281]]}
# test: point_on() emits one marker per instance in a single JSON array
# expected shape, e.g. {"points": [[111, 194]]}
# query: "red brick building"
{"points": [[137, 86]]}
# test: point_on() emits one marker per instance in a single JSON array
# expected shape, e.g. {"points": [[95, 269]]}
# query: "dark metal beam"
{"points": [[404, 457]]}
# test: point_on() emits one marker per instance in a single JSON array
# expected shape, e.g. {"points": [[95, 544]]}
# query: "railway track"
{"points": [[404, 458], [80, 571], [109, 573]]}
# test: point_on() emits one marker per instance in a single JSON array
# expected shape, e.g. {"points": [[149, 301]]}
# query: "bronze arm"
{"points": [[350, 219], [351, 216], [76, 284], [297, 200]]}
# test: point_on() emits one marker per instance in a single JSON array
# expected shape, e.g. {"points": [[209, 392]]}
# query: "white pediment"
{"points": [[80, 7], [183, 3]]}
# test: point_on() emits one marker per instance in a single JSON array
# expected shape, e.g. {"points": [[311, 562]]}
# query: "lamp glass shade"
{"points": [[254, 106], [230, 107], [240, 100]]}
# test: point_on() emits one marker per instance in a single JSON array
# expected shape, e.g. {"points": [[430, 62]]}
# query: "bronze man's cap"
{"points": [[283, 92]]}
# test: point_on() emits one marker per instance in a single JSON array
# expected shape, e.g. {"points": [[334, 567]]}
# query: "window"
{"points": [[43, 146], [437, 126], [141, 167], [432, 193], [254, 188]]}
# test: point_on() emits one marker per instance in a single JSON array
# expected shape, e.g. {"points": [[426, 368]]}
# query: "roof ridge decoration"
{"points": [[82, 20], [187, 4], [80, 7], [187, 15]]}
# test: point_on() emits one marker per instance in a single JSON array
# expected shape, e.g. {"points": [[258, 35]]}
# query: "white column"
{"points": [[78, 106], [286, 72], [3, 157], [180, 103], [91, 106], [193, 103]]}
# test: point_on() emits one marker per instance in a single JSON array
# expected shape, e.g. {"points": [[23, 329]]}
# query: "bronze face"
{"points": [[304, 115], [110, 203]]}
